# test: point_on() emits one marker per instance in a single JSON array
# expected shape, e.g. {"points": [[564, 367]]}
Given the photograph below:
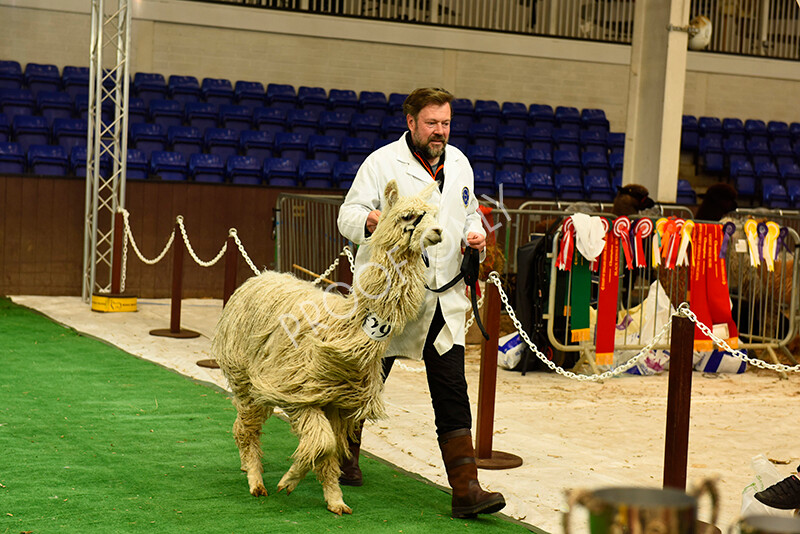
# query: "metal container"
{"points": [[767, 524]]}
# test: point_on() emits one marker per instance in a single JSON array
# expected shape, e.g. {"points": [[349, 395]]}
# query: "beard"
{"points": [[424, 145]]}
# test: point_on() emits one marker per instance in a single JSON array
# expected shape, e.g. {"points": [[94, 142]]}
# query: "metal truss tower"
{"points": [[106, 151]]}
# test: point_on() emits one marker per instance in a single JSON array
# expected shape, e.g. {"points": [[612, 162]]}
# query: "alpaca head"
{"points": [[407, 222]]}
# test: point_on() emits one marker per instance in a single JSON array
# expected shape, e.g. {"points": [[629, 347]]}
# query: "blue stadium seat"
{"points": [[47, 160], [598, 188], [459, 135], [756, 129], [616, 142], [758, 147], [514, 114], [767, 173], [10, 75], [314, 173], [781, 150], [281, 96], [481, 157], [565, 160], [256, 143], [565, 115], [539, 161], [510, 136], [324, 148], [137, 168], [595, 161], [69, 132], [395, 104], [344, 172], [77, 162], [147, 138], [75, 80], [380, 142], [5, 129], [149, 86], [15, 102], [733, 128], [710, 154], [540, 137], [707, 125], [484, 182], [744, 178], [487, 112], [137, 111], [343, 100], [293, 146], [201, 115], [510, 183], [790, 172], [793, 190], [541, 115], [186, 140], [568, 187], [373, 103], [794, 132], [463, 110], [510, 159], [483, 134], [365, 125], [12, 158], [243, 170], [540, 185], [269, 119], [217, 91], [183, 89], [166, 112], [566, 139], [594, 141], [54, 105], [774, 196], [686, 194], [222, 141], [207, 168], [30, 130], [733, 146], [594, 120], [689, 133], [250, 94], [39, 77], [281, 172], [168, 166], [235, 117], [312, 98], [303, 121], [392, 127], [334, 124], [355, 149]]}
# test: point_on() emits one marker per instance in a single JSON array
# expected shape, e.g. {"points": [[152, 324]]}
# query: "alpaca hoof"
{"points": [[340, 508], [258, 491], [287, 483]]}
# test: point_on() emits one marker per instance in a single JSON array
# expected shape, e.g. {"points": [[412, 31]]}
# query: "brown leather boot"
{"points": [[469, 498], [351, 473]]}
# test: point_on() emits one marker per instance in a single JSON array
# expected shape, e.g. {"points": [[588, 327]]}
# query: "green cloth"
{"points": [[579, 297]]}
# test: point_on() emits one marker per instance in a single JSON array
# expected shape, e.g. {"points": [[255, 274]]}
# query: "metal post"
{"points": [[485, 457], [231, 267], [679, 396], [116, 257]]}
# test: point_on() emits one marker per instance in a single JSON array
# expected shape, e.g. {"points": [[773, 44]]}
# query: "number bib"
{"points": [[375, 328]]}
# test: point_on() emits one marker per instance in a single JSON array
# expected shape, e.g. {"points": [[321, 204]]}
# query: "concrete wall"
{"points": [[200, 39]]}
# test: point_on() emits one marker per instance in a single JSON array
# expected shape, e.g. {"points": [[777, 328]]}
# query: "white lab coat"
{"points": [[457, 216]]}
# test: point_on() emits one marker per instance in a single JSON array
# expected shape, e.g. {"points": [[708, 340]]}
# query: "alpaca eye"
{"points": [[409, 217]]}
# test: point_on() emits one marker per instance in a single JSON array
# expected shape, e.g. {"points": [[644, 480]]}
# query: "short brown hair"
{"points": [[419, 98]]}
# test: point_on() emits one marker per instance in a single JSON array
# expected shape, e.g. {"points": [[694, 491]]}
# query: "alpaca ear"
{"points": [[426, 193], [391, 194]]}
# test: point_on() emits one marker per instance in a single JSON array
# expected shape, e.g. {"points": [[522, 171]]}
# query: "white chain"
{"points": [[495, 279], [129, 236], [327, 272], [232, 232], [200, 262], [684, 308], [349, 255]]}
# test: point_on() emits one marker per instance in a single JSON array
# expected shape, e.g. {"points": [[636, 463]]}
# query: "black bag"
{"points": [[533, 291]]}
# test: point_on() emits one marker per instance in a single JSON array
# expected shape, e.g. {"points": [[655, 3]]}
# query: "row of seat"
{"points": [[693, 129]]}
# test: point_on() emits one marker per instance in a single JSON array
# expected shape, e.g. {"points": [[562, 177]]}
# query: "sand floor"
{"points": [[570, 434]]}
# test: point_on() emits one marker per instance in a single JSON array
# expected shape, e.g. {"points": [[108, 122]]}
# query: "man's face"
{"points": [[431, 129]]}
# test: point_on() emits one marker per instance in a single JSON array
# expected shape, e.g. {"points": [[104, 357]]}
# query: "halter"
{"points": [[416, 222]]}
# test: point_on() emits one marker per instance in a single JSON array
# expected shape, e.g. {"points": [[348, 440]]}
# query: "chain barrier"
{"points": [[232, 232], [200, 262], [128, 236]]}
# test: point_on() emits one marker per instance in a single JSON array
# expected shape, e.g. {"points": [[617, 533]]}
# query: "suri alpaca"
{"points": [[283, 342]]}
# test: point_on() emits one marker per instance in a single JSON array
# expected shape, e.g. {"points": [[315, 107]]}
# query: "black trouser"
{"points": [[446, 380]]}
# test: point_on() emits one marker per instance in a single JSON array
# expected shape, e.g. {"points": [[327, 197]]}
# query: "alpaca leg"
{"points": [[247, 433], [329, 468]]}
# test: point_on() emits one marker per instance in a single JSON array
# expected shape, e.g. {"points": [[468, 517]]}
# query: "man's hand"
{"points": [[372, 220], [476, 240]]}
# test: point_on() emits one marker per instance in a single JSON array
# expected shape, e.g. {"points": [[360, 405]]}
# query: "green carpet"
{"points": [[93, 439]]}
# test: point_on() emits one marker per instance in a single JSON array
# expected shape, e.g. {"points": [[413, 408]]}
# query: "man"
{"points": [[437, 336]]}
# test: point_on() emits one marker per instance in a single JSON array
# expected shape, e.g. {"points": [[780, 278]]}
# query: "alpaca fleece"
{"points": [[283, 342]]}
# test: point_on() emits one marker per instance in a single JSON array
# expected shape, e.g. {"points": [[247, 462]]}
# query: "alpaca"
{"points": [[283, 342]]}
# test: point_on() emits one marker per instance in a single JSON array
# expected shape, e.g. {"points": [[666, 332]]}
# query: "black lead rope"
{"points": [[470, 266]]}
